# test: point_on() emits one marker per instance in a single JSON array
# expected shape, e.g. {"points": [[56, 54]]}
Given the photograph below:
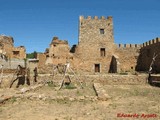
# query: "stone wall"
{"points": [[7, 48], [146, 54], [6, 40], [42, 59], [104, 79], [127, 56], [19, 52], [12, 63], [115, 79], [59, 52], [6, 43]]}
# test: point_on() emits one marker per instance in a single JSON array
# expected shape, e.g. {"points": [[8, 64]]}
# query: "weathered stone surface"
{"points": [[58, 52], [103, 79], [96, 50], [146, 55], [95, 53], [7, 47], [100, 92], [11, 56]]}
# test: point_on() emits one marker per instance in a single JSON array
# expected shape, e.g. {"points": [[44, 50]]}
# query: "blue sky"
{"points": [[33, 23]]}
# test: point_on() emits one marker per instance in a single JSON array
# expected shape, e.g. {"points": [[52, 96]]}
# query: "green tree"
{"points": [[32, 55]]}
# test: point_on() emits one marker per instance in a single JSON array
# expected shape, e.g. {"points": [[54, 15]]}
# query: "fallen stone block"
{"points": [[100, 92]]}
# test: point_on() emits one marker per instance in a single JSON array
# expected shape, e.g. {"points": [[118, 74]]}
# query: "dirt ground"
{"points": [[127, 102]]}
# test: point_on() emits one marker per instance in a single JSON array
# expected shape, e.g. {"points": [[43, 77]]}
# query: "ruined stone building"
{"points": [[13, 55], [97, 52], [58, 52], [7, 48]]}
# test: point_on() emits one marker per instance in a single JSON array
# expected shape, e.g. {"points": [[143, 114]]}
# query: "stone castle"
{"points": [[96, 51]]}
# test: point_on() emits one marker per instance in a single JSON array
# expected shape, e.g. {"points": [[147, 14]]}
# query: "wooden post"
{"points": [[67, 68], [1, 78], [76, 77]]}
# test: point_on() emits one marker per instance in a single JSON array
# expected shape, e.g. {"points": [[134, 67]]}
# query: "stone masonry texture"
{"points": [[96, 51]]}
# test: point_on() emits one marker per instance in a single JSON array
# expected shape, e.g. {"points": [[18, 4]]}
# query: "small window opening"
{"points": [[102, 52], [132, 68], [101, 31], [15, 52], [97, 67]]}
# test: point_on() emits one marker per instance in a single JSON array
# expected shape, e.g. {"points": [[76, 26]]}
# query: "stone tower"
{"points": [[96, 43], [95, 30]]}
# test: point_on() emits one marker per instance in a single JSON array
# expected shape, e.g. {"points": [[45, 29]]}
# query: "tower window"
{"points": [[101, 31], [97, 67], [102, 52]]}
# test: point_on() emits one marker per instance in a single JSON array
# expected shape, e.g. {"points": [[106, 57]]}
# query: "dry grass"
{"points": [[128, 99]]}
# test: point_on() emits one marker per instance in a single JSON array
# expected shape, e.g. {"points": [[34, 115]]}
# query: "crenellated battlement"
{"points": [[128, 45], [150, 42], [95, 18]]}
